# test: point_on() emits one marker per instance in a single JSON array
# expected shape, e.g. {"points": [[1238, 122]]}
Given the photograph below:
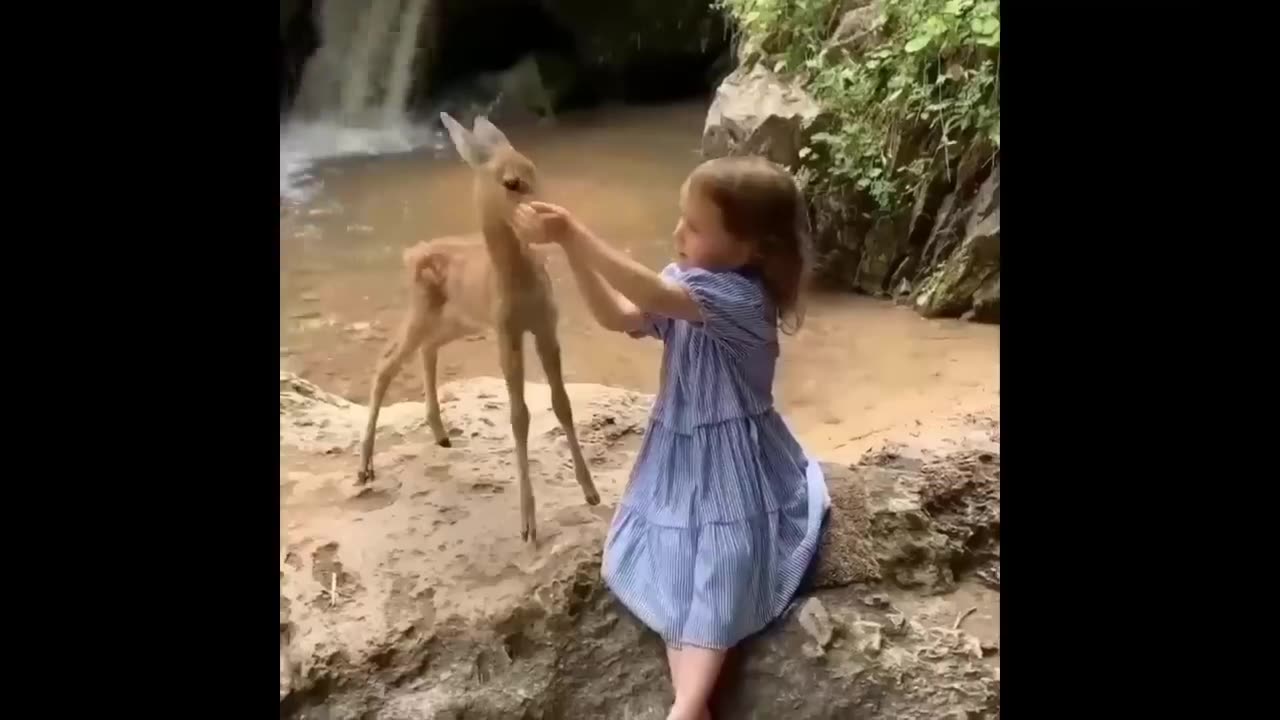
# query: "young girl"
{"points": [[721, 517]]}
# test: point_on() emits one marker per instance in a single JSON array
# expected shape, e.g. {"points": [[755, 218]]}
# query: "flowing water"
{"points": [[861, 370]]}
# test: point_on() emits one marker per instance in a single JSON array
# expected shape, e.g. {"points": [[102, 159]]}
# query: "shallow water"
{"points": [[860, 371]]}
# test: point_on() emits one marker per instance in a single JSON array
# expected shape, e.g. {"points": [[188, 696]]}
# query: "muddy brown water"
{"points": [[860, 371]]}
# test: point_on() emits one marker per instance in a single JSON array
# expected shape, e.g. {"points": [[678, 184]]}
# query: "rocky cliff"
{"points": [[939, 248], [415, 598], [586, 50]]}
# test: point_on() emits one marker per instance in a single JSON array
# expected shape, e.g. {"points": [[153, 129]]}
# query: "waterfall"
{"points": [[355, 88], [362, 72]]}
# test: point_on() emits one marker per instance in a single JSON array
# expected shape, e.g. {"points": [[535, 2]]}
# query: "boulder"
{"points": [[755, 112], [513, 95], [414, 598]]}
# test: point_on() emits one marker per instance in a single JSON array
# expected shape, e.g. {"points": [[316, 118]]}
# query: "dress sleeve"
{"points": [[655, 326], [735, 310]]}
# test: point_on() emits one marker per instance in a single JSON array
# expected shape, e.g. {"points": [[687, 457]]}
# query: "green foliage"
{"points": [[922, 85]]}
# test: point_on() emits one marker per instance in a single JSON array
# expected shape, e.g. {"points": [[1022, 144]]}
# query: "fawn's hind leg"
{"points": [[442, 334], [549, 352], [397, 351]]}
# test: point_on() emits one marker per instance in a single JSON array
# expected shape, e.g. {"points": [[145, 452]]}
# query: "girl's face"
{"points": [[701, 240]]}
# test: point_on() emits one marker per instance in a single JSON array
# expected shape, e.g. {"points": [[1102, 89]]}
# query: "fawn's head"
{"points": [[503, 177]]}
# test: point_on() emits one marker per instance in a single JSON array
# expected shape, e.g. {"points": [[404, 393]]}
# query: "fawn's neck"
{"points": [[513, 260]]}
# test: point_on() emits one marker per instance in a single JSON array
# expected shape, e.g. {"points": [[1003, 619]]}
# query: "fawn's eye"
{"points": [[513, 184]]}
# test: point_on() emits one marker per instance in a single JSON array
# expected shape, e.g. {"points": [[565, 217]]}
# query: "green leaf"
{"points": [[985, 25], [777, 68], [805, 152], [917, 43], [894, 95]]}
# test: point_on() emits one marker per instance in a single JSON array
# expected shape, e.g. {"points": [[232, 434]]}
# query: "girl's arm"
{"points": [[649, 291], [608, 307]]}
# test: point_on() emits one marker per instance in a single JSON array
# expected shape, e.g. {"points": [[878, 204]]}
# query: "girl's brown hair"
{"points": [[759, 203]]}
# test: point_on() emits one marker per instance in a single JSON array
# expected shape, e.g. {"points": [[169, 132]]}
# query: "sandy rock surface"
{"points": [[415, 598]]}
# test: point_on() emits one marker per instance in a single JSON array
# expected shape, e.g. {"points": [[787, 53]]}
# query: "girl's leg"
{"points": [[695, 676], [675, 661]]}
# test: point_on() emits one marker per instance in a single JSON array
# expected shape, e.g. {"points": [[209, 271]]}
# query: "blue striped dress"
{"points": [[721, 518]]}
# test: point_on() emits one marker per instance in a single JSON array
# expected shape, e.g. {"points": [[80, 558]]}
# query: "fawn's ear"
{"points": [[488, 134], [473, 152]]}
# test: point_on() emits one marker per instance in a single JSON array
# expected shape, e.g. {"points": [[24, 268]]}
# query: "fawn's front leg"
{"points": [[511, 356], [549, 352]]}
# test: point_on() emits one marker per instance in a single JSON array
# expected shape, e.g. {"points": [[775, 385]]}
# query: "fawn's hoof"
{"points": [[364, 476], [444, 442], [593, 497]]}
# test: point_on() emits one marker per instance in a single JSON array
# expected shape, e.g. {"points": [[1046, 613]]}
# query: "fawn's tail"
{"points": [[428, 269]]}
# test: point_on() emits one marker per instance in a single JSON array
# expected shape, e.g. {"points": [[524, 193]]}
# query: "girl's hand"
{"points": [[539, 223]]}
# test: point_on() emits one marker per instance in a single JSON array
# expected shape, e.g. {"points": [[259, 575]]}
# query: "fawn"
{"points": [[461, 285]]}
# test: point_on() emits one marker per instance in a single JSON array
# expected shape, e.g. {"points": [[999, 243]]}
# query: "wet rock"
{"points": [[518, 93], [757, 113], [883, 247], [623, 45], [986, 300], [972, 269]]}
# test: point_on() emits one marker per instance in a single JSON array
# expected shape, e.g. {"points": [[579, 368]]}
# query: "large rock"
{"points": [[438, 611], [755, 112], [623, 43], [971, 272]]}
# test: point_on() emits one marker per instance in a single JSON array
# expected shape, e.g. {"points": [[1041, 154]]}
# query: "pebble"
{"points": [[815, 620], [876, 600]]}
